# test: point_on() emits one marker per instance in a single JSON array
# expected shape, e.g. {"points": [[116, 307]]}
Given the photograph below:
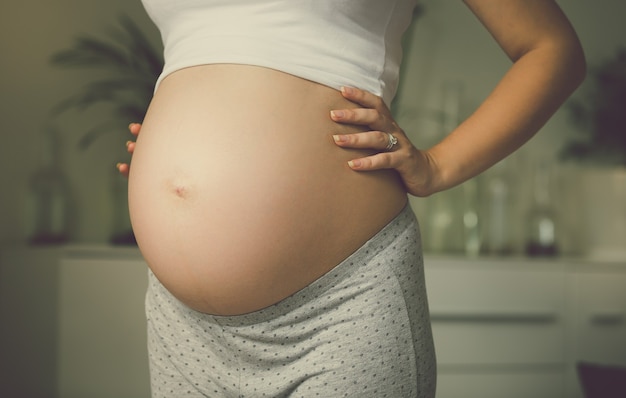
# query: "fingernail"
{"points": [[354, 163], [347, 90], [128, 143], [117, 166], [340, 138], [337, 114]]}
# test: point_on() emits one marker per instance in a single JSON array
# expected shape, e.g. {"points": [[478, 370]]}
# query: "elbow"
{"points": [[569, 67], [573, 62], [577, 66]]}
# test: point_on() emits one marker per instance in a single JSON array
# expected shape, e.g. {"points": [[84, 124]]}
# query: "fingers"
{"points": [[377, 117], [123, 168], [360, 116], [363, 98], [394, 149], [368, 140], [134, 128], [130, 146], [374, 112], [386, 158], [383, 160]]}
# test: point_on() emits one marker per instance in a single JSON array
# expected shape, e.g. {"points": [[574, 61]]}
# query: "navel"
{"points": [[179, 189], [181, 192]]}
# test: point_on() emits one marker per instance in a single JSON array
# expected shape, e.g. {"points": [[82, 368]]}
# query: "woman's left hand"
{"points": [[416, 167], [124, 168]]}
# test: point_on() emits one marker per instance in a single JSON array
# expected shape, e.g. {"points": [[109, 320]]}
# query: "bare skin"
{"points": [[548, 64], [238, 207]]}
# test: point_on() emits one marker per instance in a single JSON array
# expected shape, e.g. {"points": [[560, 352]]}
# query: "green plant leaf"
{"points": [[106, 127], [91, 52], [133, 65]]}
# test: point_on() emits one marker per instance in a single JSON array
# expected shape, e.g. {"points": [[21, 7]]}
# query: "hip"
{"points": [[367, 316]]}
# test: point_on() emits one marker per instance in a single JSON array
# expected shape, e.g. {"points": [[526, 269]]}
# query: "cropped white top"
{"points": [[331, 42]]}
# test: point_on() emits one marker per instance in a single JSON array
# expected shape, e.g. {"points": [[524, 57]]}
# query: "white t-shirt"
{"points": [[332, 42]]}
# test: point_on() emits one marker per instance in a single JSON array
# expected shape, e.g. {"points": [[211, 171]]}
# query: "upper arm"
{"points": [[520, 26]]}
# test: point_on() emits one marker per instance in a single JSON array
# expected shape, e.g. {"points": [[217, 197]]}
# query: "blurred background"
{"points": [[562, 198], [31, 88], [451, 64]]}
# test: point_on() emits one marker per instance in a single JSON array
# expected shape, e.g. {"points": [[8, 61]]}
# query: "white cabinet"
{"points": [[73, 324], [598, 319], [511, 328], [102, 345], [28, 308], [508, 383], [498, 328]]}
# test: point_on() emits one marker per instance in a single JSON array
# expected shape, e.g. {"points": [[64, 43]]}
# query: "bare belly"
{"points": [[238, 195]]}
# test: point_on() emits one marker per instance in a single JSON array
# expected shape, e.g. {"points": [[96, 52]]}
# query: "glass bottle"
{"points": [[48, 200], [471, 220], [541, 220], [445, 232], [498, 211]]}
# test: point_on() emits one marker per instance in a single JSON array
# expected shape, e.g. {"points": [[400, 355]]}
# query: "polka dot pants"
{"points": [[361, 330]]}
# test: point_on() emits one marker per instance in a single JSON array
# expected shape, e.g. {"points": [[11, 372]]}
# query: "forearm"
{"points": [[548, 65], [528, 95]]}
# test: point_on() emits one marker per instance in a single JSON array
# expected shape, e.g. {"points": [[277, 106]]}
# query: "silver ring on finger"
{"points": [[393, 141]]}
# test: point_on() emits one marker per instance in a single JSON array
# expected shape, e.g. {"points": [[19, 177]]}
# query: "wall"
{"points": [[450, 44], [447, 44], [30, 31]]}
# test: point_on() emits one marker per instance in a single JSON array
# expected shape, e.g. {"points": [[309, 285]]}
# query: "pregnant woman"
{"points": [[268, 190]]}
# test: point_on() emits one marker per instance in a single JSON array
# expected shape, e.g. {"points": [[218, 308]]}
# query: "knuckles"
{"points": [[383, 139]]}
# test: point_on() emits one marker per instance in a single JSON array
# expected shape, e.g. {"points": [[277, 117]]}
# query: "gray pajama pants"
{"points": [[361, 330]]}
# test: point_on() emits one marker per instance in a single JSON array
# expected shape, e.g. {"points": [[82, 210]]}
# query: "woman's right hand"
{"points": [[134, 128]]}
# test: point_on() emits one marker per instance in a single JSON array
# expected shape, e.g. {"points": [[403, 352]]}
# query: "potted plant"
{"points": [[131, 65], [125, 67], [600, 114]]}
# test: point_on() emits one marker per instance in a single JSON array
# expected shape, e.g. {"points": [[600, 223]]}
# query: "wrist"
{"points": [[437, 175]]}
